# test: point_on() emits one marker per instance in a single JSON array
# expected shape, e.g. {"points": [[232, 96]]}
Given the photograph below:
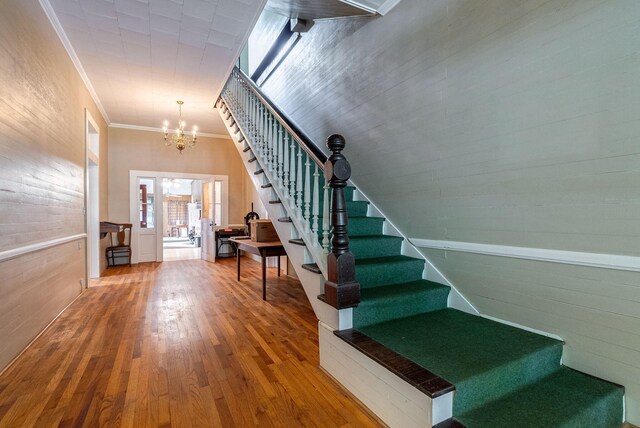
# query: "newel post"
{"points": [[341, 289]]}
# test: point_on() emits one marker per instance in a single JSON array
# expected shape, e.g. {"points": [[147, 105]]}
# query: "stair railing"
{"points": [[292, 163], [295, 167]]}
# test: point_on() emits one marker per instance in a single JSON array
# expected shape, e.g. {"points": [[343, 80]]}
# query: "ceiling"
{"points": [[141, 56], [138, 57]]}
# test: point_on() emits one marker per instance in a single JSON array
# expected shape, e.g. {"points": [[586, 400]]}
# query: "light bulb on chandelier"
{"points": [[179, 139]]}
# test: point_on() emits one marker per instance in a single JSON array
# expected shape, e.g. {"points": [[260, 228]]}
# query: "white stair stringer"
{"points": [[312, 283]]}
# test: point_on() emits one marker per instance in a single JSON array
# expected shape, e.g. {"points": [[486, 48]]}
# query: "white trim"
{"points": [[153, 129], [387, 6], [38, 246], [359, 5], [597, 260], [456, 299], [383, 9], [53, 18], [91, 210]]}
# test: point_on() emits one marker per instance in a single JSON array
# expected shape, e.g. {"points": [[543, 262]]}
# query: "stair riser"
{"points": [[360, 226], [372, 247], [356, 208], [373, 312], [389, 273]]}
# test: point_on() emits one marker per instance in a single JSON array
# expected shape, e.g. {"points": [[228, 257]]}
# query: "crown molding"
{"points": [[53, 18], [152, 129]]}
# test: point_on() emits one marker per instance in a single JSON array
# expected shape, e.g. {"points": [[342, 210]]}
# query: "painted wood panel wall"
{"points": [[34, 289], [42, 111], [499, 122]]}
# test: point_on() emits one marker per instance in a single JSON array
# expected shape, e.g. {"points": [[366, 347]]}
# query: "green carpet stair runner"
{"points": [[504, 376]]}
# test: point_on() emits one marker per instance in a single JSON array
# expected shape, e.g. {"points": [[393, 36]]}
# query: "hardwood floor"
{"points": [[179, 344]]}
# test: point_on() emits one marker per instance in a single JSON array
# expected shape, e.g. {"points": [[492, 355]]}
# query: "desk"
{"points": [[262, 249], [176, 228]]}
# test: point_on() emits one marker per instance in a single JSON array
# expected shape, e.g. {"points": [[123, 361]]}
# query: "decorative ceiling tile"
{"points": [[143, 55]]}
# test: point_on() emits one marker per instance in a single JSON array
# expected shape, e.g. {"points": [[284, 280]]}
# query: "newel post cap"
{"points": [[337, 169]]}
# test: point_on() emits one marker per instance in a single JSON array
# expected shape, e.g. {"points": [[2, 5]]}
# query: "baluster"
{"points": [[272, 153], [316, 208], [279, 155], [254, 118], [263, 137], [325, 218], [245, 99], [241, 99], [285, 165], [307, 194], [268, 140], [299, 185], [261, 131], [292, 172]]}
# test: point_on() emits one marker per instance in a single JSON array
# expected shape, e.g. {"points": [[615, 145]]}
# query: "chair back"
{"points": [[123, 237]]}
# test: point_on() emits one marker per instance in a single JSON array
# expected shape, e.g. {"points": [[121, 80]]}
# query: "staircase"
{"points": [[402, 350]]}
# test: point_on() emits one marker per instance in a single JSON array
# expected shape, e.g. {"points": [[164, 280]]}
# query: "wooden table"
{"points": [[262, 249]]}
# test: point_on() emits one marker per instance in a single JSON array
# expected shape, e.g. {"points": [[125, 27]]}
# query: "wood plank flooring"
{"points": [[179, 344]]}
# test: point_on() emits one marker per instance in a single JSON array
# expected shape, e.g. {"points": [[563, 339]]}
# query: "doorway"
{"points": [[148, 239], [182, 211]]}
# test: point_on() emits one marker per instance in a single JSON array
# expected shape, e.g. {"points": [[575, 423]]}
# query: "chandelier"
{"points": [[179, 139]]}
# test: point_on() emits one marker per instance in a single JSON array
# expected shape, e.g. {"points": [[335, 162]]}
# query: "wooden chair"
{"points": [[122, 248]]}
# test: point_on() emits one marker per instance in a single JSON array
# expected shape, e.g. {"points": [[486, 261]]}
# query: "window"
{"points": [[146, 203]]}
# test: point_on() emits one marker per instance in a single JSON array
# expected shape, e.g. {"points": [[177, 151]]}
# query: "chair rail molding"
{"points": [[597, 260], [38, 246]]}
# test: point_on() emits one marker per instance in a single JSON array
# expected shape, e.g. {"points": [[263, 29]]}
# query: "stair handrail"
{"points": [[306, 143]]}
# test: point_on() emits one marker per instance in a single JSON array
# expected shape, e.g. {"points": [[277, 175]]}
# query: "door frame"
{"points": [[92, 197], [159, 176]]}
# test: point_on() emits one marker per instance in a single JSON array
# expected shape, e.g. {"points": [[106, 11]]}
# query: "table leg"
{"points": [[264, 278], [278, 265], [238, 256]]}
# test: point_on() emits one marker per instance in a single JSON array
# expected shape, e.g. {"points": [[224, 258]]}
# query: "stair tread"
{"points": [[393, 301], [246, 149], [297, 241], [285, 220], [421, 378], [467, 350], [313, 267], [564, 398], [468, 334]]}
